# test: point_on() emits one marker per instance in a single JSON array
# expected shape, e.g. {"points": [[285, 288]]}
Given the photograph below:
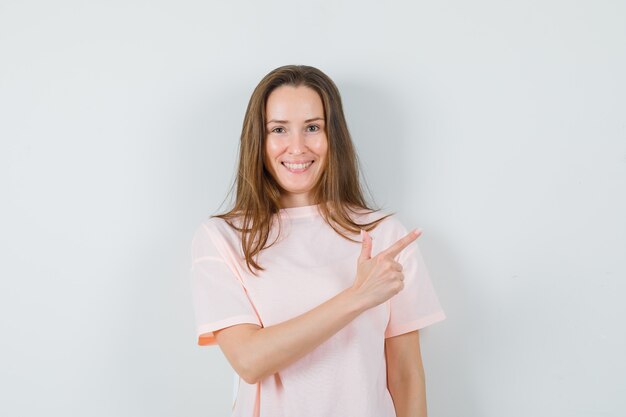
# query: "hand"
{"points": [[380, 278]]}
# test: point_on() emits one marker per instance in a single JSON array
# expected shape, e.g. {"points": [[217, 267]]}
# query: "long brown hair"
{"points": [[338, 190]]}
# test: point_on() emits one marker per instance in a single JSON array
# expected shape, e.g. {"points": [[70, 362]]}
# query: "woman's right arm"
{"points": [[256, 352]]}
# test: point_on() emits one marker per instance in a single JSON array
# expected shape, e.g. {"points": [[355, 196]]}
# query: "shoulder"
{"points": [[388, 231], [202, 242], [389, 225], [215, 228], [214, 231], [205, 229]]}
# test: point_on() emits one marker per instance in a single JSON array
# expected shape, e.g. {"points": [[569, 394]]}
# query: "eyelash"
{"points": [[317, 128]]}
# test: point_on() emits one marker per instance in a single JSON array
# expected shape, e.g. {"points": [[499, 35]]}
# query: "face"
{"points": [[296, 144]]}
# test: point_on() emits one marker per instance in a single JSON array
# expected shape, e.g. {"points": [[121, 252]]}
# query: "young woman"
{"points": [[314, 298]]}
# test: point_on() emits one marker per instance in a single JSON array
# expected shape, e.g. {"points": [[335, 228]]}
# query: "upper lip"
{"points": [[302, 161]]}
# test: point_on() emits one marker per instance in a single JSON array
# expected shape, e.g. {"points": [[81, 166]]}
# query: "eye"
{"points": [[278, 130], [313, 128]]}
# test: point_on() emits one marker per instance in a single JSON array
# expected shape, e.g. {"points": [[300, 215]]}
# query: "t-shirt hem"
{"points": [[204, 332], [415, 324]]}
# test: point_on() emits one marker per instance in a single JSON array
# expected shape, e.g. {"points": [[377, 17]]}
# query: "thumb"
{"points": [[366, 246]]}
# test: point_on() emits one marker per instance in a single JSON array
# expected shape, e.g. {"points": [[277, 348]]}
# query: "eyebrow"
{"points": [[285, 121]]}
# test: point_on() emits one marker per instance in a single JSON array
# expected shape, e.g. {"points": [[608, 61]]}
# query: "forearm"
{"points": [[272, 348], [409, 397]]}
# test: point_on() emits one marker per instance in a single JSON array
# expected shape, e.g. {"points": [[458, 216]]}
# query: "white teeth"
{"points": [[297, 166]]}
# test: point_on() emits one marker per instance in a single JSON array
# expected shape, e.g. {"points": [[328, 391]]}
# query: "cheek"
{"points": [[272, 148], [320, 146]]}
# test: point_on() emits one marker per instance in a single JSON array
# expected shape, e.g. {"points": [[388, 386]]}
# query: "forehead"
{"points": [[293, 103]]}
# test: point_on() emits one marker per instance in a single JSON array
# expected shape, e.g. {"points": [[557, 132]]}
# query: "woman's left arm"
{"points": [[405, 374]]}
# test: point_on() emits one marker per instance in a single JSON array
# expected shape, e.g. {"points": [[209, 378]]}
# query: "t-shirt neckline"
{"points": [[301, 211]]}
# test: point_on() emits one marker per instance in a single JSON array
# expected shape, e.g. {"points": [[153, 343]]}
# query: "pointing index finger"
{"points": [[402, 243]]}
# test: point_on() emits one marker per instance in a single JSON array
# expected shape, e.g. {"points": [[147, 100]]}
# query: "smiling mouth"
{"points": [[296, 168]]}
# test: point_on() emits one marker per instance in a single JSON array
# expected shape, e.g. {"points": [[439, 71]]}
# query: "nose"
{"points": [[296, 144]]}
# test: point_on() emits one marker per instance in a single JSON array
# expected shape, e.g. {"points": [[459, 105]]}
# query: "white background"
{"points": [[498, 127]]}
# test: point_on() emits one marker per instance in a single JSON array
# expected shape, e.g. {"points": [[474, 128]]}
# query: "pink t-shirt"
{"points": [[311, 263]]}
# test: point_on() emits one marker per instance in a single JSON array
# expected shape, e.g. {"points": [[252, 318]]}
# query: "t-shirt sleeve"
{"points": [[219, 297], [416, 305]]}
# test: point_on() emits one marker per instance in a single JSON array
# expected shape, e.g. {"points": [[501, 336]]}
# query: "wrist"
{"points": [[355, 302]]}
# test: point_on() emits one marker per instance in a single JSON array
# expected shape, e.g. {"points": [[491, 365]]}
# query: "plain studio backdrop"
{"points": [[499, 128]]}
